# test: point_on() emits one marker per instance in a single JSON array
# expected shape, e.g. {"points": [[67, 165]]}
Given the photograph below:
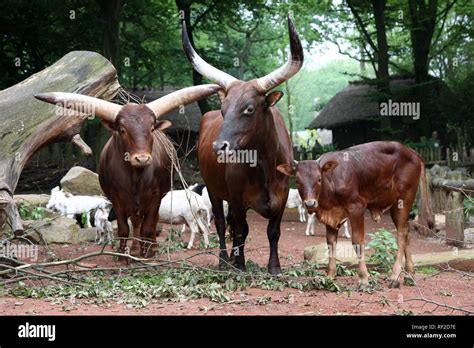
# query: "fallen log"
{"points": [[27, 125]]}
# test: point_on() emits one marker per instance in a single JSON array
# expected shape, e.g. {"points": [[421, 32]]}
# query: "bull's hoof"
{"points": [[274, 270], [240, 266], [224, 262], [394, 284]]}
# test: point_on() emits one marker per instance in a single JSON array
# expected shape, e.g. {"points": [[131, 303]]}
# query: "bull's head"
{"points": [[133, 123], [245, 103], [309, 179]]}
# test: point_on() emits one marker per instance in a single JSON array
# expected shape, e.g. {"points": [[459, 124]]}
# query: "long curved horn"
{"points": [[183, 96], [205, 69], [82, 103], [292, 66]]}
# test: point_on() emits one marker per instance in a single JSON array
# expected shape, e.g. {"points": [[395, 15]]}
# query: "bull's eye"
{"points": [[319, 180], [122, 130], [249, 110]]}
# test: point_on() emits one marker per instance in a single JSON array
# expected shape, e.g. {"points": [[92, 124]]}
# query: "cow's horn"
{"points": [[292, 66], [82, 103], [205, 69], [183, 96]]}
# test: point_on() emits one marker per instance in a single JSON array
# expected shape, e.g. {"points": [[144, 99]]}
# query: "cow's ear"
{"points": [[329, 166], [273, 98], [286, 169], [109, 125], [162, 125]]}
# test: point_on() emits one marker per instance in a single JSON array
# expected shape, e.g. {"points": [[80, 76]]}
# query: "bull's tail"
{"points": [[428, 213]]}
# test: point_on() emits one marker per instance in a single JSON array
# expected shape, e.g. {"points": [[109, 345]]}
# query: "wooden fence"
{"points": [[447, 192]]}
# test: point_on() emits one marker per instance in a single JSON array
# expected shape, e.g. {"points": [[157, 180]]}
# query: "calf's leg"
{"points": [[331, 238], [358, 241], [399, 213]]}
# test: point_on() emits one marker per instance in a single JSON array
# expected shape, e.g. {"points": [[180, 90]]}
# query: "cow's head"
{"points": [[245, 104], [134, 124], [309, 179]]}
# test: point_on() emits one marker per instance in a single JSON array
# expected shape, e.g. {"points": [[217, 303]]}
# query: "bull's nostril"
{"points": [[142, 159], [310, 203], [224, 145]]}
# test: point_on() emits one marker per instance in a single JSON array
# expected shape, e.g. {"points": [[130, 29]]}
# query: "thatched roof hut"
{"points": [[357, 101], [354, 114]]}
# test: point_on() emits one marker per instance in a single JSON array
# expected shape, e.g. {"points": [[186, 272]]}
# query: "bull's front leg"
{"points": [[273, 234], [148, 244], [241, 230], [136, 223], [123, 232]]}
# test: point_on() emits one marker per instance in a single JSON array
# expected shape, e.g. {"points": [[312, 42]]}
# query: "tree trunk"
{"points": [[27, 124], [184, 7], [110, 14], [423, 21], [383, 81]]}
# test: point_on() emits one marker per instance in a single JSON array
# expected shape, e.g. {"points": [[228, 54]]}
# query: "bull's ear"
{"points": [[162, 125], [329, 166], [221, 95], [273, 98], [286, 169], [109, 125]]}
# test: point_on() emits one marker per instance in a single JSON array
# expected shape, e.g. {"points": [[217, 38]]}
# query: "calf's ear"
{"points": [[286, 169], [273, 98], [162, 125], [329, 166]]}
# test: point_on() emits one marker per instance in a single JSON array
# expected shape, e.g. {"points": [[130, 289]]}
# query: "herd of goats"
{"points": [[138, 162]]}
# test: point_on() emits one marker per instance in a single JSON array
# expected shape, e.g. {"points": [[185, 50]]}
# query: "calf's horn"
{"points": [[82, 103], [292, 66]]}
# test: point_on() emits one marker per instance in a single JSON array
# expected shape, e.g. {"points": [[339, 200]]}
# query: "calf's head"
{"points": [[133, 124], [245, 104], [309, 179]]}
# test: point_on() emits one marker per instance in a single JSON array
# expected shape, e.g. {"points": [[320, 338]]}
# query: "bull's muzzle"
{"points": [[311, 203], [141, 160]]}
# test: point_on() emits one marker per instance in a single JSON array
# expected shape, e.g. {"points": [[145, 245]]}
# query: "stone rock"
{"points": [[37, 200], [319, 253], [469, 237], [61, 230], [81, 181]]}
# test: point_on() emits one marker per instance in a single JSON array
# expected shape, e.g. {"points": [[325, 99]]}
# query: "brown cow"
{"points": [[135, 164], [247, 124], [377, 176]]}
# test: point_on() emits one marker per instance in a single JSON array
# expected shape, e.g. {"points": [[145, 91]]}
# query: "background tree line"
{"points": [[248, 38]]}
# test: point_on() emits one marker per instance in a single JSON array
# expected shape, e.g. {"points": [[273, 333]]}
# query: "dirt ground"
{"points": [[452, 288]]}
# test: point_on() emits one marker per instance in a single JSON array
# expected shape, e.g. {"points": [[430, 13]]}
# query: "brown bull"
{"points": [[377, 176], [240, 147], [135, 164]]}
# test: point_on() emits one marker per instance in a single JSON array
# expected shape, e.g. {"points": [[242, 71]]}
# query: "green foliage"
{"points": [[468, 207], [173, 242], [427, 270], [177, 283], [29, 212], [384, 245]]}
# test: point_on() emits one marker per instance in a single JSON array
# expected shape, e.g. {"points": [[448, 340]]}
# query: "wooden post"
{"points": [[455, 214]]}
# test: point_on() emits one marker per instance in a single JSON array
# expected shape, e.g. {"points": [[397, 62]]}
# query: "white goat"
{"points": [[186, 207], [207, 203], [294, 201], [104, 233], [312, 222], [70, 205]]}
